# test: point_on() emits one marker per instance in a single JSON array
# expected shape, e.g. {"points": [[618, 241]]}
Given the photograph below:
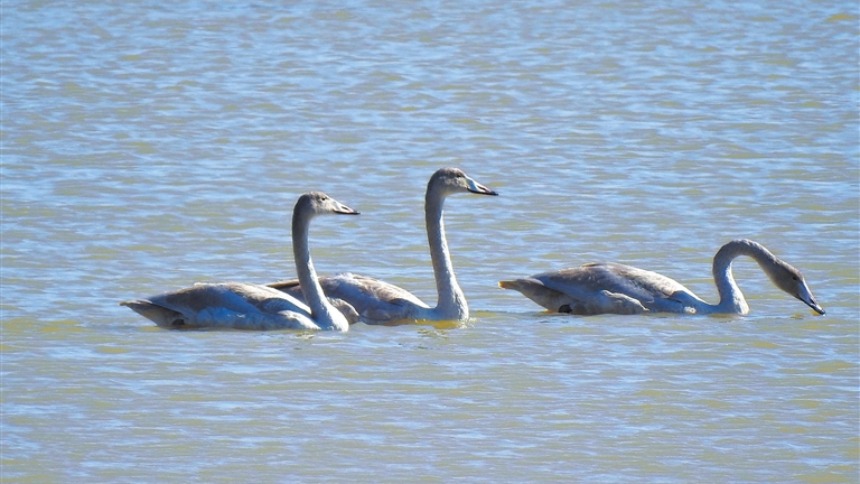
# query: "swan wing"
{"points": [[617, 278], [375, 301], [655, 291], [603, 288]]}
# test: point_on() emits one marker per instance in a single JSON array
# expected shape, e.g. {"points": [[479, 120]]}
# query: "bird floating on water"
{"points": [[249, 306], [601, 288]]}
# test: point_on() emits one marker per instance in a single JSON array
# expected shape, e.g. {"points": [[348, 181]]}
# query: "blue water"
{"points": [[149, 146]]}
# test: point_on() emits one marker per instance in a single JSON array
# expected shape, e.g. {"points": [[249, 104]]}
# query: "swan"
{"points": [[378, 302], [250, 306], [600, 288]]}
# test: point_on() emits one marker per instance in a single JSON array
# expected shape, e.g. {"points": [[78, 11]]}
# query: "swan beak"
{"points": [[476, 187], [344, 210], [805, 295], [815, 307]]}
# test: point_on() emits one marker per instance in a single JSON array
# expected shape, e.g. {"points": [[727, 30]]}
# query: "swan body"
{"points": [[601, 288], [378, 302], [249, 306]]}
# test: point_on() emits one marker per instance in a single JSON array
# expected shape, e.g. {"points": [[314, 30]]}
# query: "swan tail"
{"points": [[160, 315], [541, 295]]}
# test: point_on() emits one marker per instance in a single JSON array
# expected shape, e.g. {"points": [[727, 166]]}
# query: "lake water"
{"points": [[149, 145]]}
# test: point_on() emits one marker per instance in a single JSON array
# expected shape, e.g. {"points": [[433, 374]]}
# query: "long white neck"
{"points": [[731, 298], [323, 313], [451, 302]]}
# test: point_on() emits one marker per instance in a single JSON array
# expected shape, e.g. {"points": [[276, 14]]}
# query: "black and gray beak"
{"points": [[344, 210], [805, 295], [476, 187]]}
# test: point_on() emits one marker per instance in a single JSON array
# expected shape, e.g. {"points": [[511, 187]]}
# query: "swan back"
{"points": [[225, 305], [604, 287]]}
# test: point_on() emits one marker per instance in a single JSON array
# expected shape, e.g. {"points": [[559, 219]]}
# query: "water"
{"points": [[147, 146]]}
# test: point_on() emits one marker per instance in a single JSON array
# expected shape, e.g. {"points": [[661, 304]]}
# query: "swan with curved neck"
{"points": [[250, 306], [378, 302], [601, 288]]}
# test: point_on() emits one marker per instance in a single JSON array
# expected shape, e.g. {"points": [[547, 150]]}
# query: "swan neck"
{"points": [[322, 312], [451, 303], [731, 298]]}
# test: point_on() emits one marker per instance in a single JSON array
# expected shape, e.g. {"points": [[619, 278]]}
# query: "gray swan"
{"points": [[250, 306], [610, 288]]}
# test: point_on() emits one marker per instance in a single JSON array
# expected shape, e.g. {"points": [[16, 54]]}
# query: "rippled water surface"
{"points": [[148, 145]]}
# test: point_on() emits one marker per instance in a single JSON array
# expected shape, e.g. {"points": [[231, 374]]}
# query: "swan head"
{"points": [[790, 280], [455, 180], [318, 203]]}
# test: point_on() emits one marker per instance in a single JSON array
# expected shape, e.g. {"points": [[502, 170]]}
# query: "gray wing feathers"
{"points": [[372, 299], [602, 288], [233, 305]]}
